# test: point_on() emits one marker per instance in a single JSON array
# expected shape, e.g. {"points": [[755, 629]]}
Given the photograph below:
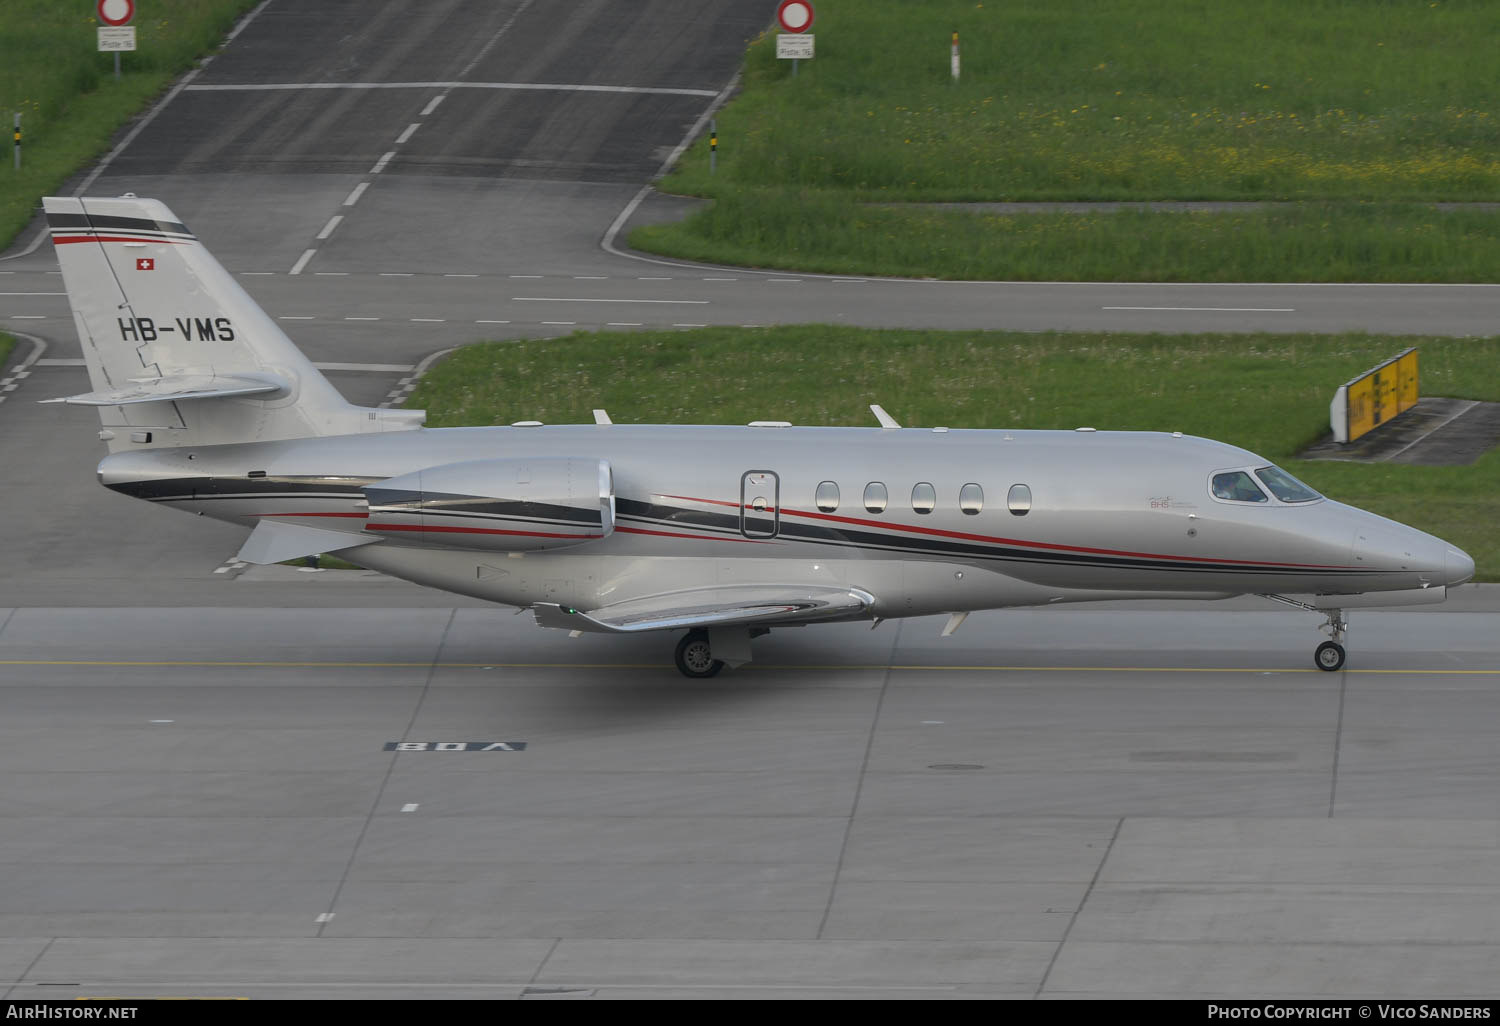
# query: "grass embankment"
{"points": [[1367, 110], [1268, 393], [65, 91], [6, 345]]}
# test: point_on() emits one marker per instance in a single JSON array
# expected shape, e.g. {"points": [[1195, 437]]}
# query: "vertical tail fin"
{"points": [[178, 353]]}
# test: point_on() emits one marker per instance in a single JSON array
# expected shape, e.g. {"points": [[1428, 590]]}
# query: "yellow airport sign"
{"points": [[1376, 396]]}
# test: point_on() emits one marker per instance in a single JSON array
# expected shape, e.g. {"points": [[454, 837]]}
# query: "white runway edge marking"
{"points": [[359, 190], [492, 322], [23, 369], [576, 299], [265, 87], [382, 162], [302, 262], [398, 395], [411, 130], [333, 222], [1209, 309], [33, 293]]}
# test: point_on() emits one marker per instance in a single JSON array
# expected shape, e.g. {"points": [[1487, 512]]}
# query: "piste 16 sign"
{"points": [[795, 42], [116, 34]]}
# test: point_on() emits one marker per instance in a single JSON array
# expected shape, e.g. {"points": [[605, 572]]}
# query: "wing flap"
{"points": [[178, 386], [745, 605]]}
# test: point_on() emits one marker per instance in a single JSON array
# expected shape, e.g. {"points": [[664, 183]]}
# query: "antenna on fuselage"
{"points": [[887, 422]]}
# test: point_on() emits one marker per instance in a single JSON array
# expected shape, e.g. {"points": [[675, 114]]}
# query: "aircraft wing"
{"points": [[750, 605], [174, 387]]}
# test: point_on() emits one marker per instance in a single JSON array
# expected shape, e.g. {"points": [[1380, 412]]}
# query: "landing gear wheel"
{"points": [[695, 658], [1329, 656]]}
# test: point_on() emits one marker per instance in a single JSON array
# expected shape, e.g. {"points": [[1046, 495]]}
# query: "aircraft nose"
{"points": [[1458, 566]]}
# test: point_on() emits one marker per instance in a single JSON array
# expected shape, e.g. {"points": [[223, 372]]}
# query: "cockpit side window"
{"points": [[1284, 486], [1237, 486]]}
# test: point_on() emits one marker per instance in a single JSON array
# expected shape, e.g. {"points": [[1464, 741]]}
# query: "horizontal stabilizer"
{"points": [[181, 386], [748, 605], [272, 542]]}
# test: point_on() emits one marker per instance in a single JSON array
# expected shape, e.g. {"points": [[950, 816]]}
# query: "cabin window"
{"points": [[1019, 500], [827, 497], [1284, 486], [875, 497], [971, 499], [923, 497], [1236, 486]]}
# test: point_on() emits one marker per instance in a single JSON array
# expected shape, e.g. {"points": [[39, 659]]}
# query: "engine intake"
{"points": [[515, 505]]}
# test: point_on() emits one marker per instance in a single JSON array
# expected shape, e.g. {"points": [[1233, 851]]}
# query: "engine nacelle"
{"points": [[512, 505]]}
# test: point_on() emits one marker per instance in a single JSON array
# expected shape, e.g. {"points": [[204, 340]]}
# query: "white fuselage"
{"points": [[1096, 514]]}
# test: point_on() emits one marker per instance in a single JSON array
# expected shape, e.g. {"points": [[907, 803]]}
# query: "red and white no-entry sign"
{"points": [[795, 15], [119, 12]]}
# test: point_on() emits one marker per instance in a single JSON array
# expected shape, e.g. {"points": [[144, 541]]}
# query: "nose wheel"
{"points": [[1329, 656], [694, 656]]}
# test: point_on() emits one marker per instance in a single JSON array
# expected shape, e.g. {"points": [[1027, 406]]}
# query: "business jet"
{"points": [[721, 532]]}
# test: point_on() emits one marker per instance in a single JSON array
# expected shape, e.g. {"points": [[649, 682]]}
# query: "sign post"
{"points": [[796, 17], [116, 34]]}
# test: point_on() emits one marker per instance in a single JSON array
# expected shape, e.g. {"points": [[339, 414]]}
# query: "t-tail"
{"points": [[177, 353]]}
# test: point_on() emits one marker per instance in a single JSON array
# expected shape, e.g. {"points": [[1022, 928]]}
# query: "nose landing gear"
{"points": [[1329, 655]]}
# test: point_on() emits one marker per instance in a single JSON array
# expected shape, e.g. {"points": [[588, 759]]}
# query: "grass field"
{"points": [[1268, 393], [53, 75], [1315, 241], [1342, 102], [6, 345]]}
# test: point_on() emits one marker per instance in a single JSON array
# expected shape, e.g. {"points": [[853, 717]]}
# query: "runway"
{"points": [[1047, 804], [199, 798]]}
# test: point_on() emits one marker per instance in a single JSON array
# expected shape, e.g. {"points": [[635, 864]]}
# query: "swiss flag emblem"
{"points": [[145, 264]]}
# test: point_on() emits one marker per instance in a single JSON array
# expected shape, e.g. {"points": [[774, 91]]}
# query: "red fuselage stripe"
{"points": [[1047, 546], [63, 240]]}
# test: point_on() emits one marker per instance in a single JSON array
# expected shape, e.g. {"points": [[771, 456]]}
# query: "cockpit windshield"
{"points": [[1284, 486], [1237, 486]]}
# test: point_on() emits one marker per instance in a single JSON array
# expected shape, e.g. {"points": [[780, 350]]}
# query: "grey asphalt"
{"points": [[1101, 802], [199, 801]]}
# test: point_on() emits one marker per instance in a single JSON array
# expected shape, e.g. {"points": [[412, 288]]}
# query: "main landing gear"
{"points": [[695, 658], [703, 653], [1329, 655]]}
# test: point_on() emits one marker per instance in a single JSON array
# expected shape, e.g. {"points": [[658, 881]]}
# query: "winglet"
{"points": [[887, 422]]}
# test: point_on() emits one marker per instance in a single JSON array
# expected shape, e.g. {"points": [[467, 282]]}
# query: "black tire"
{"points": [[694, 657], [1329, 656]]}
